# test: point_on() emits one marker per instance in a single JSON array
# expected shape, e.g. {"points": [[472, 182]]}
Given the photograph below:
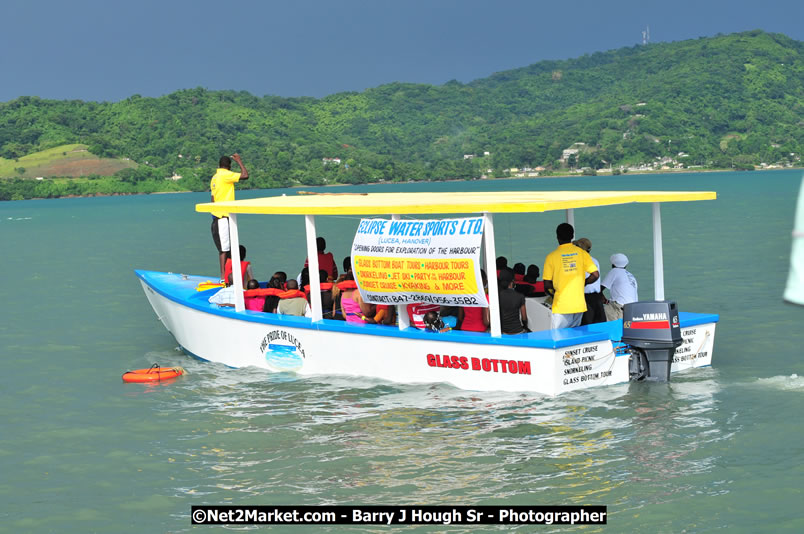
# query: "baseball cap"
{"points": [[583, 243], [619, 260]]}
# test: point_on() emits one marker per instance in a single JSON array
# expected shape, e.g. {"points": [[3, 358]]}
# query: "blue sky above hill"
{"points": [[108, 51]]}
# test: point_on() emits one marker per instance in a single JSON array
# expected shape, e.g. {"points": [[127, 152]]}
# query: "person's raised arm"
{"points": [[548, 288], [243, 170]]}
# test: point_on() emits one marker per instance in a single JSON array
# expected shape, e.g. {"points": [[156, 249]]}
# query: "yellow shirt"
{"points": [[566, 267], [222, 187]]}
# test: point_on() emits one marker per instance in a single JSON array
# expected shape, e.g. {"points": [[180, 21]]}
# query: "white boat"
{"points": [[549, 362], [794, 291]]}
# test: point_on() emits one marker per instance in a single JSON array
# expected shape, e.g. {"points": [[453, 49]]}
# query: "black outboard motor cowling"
{"points": [[653, 330]]}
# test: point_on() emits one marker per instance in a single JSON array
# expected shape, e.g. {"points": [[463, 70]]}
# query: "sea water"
{"points": [[80, 451]]}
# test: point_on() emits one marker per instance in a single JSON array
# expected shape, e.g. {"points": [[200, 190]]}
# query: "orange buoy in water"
{"points": [[152, 374]]}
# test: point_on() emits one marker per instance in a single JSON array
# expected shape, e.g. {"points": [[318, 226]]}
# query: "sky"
{"points": [[112, 49]]}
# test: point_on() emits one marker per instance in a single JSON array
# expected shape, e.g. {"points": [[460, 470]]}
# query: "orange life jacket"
{"points": [[272, 291], [227, 270], [325, 286], [347, 285]]}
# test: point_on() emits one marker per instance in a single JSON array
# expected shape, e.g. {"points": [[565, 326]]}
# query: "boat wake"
{"points": [[793, 382]]}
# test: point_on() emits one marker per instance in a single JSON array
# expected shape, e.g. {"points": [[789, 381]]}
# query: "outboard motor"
{"points": [[653, 331]]}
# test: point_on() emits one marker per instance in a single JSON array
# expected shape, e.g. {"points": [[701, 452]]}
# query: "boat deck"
{"points": [[181, 288]]}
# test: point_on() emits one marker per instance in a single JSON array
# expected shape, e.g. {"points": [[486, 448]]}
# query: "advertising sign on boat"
{"points": [[435, 261]]}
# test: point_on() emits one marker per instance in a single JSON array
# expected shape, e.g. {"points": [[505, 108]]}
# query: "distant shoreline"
{"points": [[302, 186]]}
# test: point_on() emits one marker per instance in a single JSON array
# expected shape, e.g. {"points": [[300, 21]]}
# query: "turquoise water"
{"points": [[80, 451]]}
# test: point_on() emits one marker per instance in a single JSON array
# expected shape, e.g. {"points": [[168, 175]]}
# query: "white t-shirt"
{"points": [[224, 296], [622, 285], [595, 286]]}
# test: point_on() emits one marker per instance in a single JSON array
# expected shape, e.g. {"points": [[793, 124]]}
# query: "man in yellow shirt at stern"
{"points": [[565, 276], [223, 189]]}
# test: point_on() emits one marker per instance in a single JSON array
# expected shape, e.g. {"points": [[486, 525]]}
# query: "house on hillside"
{"points": [[573, 150]]}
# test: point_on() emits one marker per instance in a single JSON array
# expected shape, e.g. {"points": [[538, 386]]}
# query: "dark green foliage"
{"points": [[728, 101]]}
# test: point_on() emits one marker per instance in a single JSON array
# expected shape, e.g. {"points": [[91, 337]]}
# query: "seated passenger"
{"points": [[513, 316], [475, 319], [519, 272], [347, 270], [326, 294], [304, 278], [502, 263], [254, 303], [347, 265], [595, 310], [352, 307], [433, 323], [530, 286], [294, 305], [621, 284], [223, 297], [386, 314], [416, 313], [272, 301], [245, 267], [282, 276], [344, 282], [325, 259]]}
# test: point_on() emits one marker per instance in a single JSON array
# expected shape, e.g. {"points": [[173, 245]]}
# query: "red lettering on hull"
{"points": [[488, 365]]}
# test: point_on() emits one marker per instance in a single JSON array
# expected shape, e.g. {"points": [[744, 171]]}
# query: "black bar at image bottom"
{"points": [[398, 515]]}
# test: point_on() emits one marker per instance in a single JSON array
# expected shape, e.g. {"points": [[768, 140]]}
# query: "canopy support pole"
{"points": [[401, 309], [658, 258], [491, 270], [571, 219], [312, 268], [237, 273]]}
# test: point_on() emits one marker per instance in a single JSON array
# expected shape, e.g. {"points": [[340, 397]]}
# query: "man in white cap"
{"points": [[621, 284]]}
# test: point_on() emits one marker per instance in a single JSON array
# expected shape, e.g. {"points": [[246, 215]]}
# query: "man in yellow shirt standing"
{"points": [[564, 278], [223, 189]]}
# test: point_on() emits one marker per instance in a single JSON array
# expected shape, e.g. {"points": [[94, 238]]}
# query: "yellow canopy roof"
{"points": [[444, 203]]}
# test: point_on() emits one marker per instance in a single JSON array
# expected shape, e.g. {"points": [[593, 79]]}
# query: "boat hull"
{"points": [[549, 363]]}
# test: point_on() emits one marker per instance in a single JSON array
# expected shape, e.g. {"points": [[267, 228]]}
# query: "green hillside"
{"points": [[65, 160], [721, 102]]}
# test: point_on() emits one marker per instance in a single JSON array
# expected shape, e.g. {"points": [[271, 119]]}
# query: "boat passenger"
{"points": [[347, 270], [304, 277], [621, 285], [325, 259], [353, 308], [433, 322], [294, 305], [222, 187], [386, 314], [519, 272], [564, 280], [475, 319], [337, 292], [591, 292], [254, 303], [531, 286], [513, 315], [326, 294], [245, 267], [282, 276], [416, 311], [223, 297], [272, 301], [502, 263]]}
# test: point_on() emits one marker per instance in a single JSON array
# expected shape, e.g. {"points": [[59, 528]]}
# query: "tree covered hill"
{"points": [[733, 100]]}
